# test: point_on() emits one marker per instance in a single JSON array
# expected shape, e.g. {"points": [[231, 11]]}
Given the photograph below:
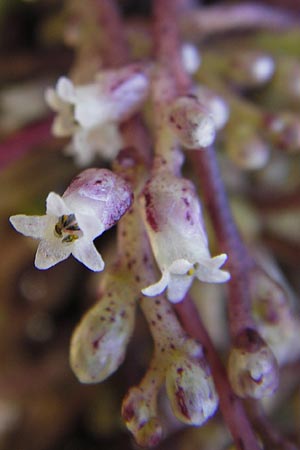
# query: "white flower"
{"points": [[62, 232], [93, 202], [178, 238], [92, 112]]}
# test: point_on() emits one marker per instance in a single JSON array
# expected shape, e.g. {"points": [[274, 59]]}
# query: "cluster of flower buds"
{"points": [[93, 203], [91, 113]]}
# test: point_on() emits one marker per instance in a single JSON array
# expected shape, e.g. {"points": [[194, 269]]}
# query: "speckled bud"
{"points": [[139, 414], [100, 340], [252, 367], [101, 192], [215, 104], [191, 122], [191, 390]]}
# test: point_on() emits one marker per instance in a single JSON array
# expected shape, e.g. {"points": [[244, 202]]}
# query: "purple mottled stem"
{"points": [[230, 405]]}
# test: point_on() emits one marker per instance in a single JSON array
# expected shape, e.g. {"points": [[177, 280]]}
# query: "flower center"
{"points": [[192, 270], [67, 229]]}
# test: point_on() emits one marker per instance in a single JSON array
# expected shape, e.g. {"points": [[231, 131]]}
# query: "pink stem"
{"points": [[24, 140]]}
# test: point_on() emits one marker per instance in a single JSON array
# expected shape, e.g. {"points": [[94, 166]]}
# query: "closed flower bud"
{"points": [[191, 122], [284, 131], [252, 367], [139, 414], [246, 148], [250, 69], [215, 104], [100, 340], [191, 390]]}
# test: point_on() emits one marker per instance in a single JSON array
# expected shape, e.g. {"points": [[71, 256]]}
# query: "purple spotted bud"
{"points": [[252, 367], [191, 390], [191, 122], [139, 414], [100, 341]]}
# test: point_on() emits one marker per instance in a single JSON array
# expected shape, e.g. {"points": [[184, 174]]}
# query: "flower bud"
{"points": [[250, 69], [191, 390], [191, 122], [100, 191], [100, 340], [215, 104], [284, 131], [252, 367], [246, 148], [190, 57], [139, 414]]}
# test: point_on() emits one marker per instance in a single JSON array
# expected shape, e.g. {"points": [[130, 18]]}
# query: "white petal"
{"points": [[56, 206], [33, 226], [91, 113], [85, 251], [159, 287], [89, 224], [65, 90], [178, 287], [53, 100], [180, 267], [50, 252], [209, 270]]}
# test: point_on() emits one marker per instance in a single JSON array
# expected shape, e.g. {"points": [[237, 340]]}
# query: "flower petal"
{"points": [[209, 270], [56, 205], [50, 252], [90, 225], [178, 287], [33, 226], [65, 90], [85, 252], [159, 287]]}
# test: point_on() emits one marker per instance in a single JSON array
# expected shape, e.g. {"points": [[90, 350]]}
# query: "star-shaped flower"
{"points": [[62, 232], [94, 202], [178, 238]]}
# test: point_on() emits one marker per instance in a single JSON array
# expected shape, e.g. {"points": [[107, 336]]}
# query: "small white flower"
{"points": [[92, 112], [94, 202], [62, 232], [178, 238]]}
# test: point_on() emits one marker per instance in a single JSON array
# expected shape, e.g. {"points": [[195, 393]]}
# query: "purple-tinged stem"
{"points": [[22, 141], [231, 406], [239, 262]]}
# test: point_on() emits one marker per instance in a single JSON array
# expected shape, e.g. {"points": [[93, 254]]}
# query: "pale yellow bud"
{"points": [[139, 414], [99, 342], [252, 367], [191, 390]]}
